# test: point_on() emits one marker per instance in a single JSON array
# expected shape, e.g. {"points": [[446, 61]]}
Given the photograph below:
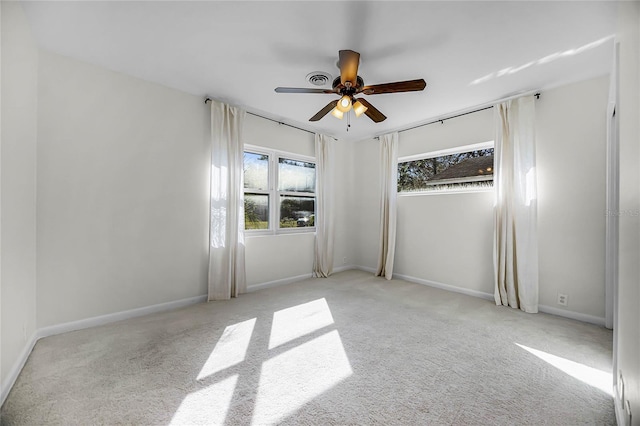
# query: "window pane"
{"points": [[464, 169], [256, 211], [256, 171], [297, 211], [298, 176]]}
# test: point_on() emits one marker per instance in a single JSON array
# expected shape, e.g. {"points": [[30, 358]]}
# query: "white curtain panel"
{"points": [[388, 204], [227, 276], [324, 221], [515, 211]]}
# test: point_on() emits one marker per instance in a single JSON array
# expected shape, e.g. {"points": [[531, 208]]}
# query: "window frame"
{"points": [[444, 152], [274, 194]]}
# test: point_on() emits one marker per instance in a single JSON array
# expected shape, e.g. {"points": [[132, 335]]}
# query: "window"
{"points": [[296, 189], [256, 190], [279, 191], [464, 168]]}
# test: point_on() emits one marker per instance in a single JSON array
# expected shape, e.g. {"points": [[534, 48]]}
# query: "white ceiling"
{"points": [[470, 53]]}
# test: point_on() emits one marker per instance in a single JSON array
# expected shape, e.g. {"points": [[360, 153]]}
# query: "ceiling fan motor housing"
{"points": [[347, 91]]}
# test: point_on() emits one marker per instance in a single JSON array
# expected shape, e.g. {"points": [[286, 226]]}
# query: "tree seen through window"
{"points": [[471, 168]]}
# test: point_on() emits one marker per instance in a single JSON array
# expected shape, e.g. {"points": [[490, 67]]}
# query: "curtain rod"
{"points": [[270, 119], [482, 108], [441, 120]]}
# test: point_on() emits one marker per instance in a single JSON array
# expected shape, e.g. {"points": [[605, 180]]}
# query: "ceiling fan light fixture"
{"points": [[337, 113], [344, 104], [358, 108]]}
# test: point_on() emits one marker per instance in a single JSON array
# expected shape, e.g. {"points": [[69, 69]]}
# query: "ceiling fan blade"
{"points": [[349, 61], [372, 112], [324, 111], [399, 86], [302, 90]]}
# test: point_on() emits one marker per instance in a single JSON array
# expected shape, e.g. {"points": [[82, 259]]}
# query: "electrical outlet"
{"points": [[344, 260], [563, 299]]}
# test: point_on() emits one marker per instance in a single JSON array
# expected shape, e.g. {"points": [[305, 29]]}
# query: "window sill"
{"points": [[272, 233], [444, 192]]}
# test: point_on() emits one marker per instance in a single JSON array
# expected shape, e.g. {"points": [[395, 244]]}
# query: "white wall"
{"points": [[571, 150], [465, 130], [123, 181], [269, 134], [364, 204], [18, 189], [627, 325], [448, 238], [122, 197], [123, 194], [278, 257], [344, 212]]}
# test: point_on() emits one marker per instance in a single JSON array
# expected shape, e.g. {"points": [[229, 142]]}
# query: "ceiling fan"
{"points": [[350, 84]]}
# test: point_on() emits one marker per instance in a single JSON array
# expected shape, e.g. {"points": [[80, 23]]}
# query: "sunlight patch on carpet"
{"points": [[297, 376], [231, 348], [297, 321], [207, 406], [592, 376]]}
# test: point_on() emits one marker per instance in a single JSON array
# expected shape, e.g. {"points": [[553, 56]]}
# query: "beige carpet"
{"points": [[348, 350]]}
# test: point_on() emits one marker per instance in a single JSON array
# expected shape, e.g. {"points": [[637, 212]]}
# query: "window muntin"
{"points": [[279, 191], [465, 168]]}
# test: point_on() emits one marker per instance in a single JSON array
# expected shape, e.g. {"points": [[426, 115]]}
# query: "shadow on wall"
{"points": [[542, 61]]}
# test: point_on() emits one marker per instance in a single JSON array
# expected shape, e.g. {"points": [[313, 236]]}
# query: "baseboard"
{"points": [[276, 283], [364, 268], [291, 280], [87, 323], [16, 369], [572, 315], [342, 269], [117, 316], [621, 417], [542, 308], [447, 287], [133, 313]]}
